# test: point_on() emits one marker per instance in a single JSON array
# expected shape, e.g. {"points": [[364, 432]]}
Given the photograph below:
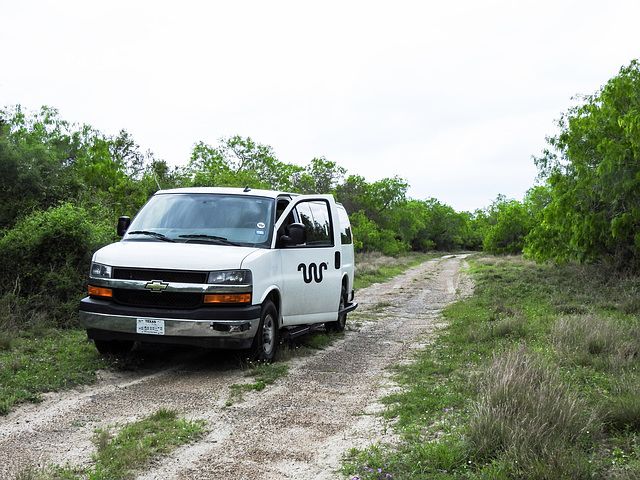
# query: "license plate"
{"points": [[150, 326]]}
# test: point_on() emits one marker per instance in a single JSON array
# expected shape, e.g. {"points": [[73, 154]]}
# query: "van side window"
{"points": [[346, 236], [316, 218]]}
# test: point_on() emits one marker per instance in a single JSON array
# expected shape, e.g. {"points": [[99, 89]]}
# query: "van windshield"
{"points": [[205, 218]]}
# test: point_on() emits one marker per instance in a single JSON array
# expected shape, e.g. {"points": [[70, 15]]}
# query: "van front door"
{"points": [[311, 280]]}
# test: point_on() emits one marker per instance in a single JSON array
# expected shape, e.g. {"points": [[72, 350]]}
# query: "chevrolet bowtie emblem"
{"points": [[156, 286]]}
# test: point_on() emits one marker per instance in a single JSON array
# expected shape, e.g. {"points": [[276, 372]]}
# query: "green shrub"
{"points": [[513, 223], [45, 258], [370, 237]]}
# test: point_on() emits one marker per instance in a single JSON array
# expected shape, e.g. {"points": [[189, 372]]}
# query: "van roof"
{"points": [[227, 191]]}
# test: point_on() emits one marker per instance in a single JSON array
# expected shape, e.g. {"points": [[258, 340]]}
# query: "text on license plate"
{"points": [[150, 326]]}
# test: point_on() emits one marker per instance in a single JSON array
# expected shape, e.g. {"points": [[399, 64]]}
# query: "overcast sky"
{"points": [[454, 97]]}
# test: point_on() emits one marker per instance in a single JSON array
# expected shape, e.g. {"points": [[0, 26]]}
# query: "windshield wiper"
{"points": [[222, 240], [157, 235]]}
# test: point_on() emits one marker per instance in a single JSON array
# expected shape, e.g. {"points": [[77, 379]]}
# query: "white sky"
{"points": [[455, 97]]}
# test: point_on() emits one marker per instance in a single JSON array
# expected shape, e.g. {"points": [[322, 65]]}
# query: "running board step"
{"points": [[349, 308], [295, 332]]}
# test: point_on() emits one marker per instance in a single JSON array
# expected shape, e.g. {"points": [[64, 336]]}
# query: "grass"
{"points": [[373, 267], [263, 373], [121, 450], [138, 443], [43, 361], [536, 377]]}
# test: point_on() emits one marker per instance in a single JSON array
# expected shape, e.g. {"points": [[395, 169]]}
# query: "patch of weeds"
{"points": [[419, 459], [516, 387], [373, 267], [139, 442], [321, 340], [118, 455], [55, 360], [380, 307], [621, 404], [526, 409], [263, 373]]}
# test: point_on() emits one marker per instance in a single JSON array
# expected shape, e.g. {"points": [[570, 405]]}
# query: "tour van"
{"points": [[227, 268]]}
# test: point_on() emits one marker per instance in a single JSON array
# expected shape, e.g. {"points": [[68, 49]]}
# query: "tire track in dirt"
{"points": [[297, 428]]}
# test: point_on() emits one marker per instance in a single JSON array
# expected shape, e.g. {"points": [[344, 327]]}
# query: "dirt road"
{"points": [[297, 428]]}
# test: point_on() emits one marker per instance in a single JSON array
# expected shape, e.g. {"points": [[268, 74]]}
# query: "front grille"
{"points": [[178, 276], [140, 298]]}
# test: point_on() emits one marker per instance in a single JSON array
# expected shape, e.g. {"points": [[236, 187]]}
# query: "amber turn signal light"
{"points": [[228, 298], [100, 291]]}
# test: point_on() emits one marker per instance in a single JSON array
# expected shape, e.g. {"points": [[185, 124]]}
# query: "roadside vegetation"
{"points": [[123, 449], [374, 267], [45, 361], [536, 376]]}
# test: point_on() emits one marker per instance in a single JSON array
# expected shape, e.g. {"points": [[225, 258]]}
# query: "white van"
{"points": [[222, 268]]}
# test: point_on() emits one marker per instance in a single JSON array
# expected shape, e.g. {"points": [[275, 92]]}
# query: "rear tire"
{"points": [[113, 347], [265, 343], [338, 325]]}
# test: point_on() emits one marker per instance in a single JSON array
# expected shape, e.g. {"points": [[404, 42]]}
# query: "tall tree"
{"points": [[237, 162], [37, 156], [320, 176], [593, 174], [513, 222]]}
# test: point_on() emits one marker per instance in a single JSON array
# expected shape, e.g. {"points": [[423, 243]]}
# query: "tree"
{"points": [[442, 228], [382, 204], [375, 199], [593, 174], [237, 162], [513, 224], [320, 176], [37, 153]]}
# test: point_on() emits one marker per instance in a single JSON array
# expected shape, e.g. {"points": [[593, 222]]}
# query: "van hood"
{"points": [[173, 256]]}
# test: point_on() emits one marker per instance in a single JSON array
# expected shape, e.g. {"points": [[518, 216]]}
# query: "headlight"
{"points": [[230, 277], [100, 271]]}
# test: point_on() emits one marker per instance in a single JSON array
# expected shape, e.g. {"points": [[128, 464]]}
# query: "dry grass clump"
{"points": [[606, 343], [610, 346], [371, 263], [526, 412]]}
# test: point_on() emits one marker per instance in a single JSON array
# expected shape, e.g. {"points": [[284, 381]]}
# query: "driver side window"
{"points": [[315, 216]]}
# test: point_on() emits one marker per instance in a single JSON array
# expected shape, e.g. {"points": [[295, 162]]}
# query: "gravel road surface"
{"points": [[297, 428]]}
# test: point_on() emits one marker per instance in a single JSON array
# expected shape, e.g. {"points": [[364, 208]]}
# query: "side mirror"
{"points": [[297, 235], [123, 225]]}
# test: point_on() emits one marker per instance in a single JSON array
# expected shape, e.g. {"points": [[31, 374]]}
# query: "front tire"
{"points": [[265, 343]]}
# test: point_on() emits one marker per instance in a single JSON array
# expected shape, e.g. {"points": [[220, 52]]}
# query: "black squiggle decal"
{"points": [[312, 272]]}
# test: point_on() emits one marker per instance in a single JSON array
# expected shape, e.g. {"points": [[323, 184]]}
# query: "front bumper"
{"points": [[215, 327]]}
